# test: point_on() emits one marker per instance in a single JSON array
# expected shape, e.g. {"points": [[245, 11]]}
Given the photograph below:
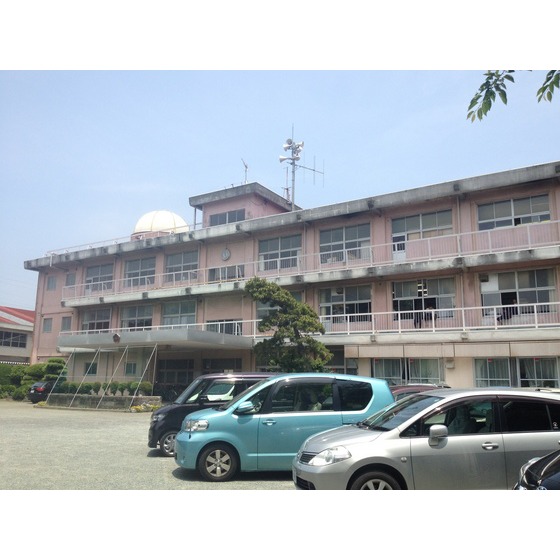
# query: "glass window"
{"points": [[302, 397], [70, 279], [278, 253], [90, 368], [526, 415], [96, 320], [419, 295], [339, 244], [99, 277], [350, 303], [354, 395], [179, 313], [538, 372], [420, 226], [137, 317], [47, 325], [507, 213], [51, 283], [140, 272], [66, 324], [492, 372], [12, 339], [130, 368], [227, 217], [181, 266]]}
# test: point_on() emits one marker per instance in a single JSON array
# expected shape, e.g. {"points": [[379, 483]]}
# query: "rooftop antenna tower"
{"points": [[295, 149], [246, 169]]}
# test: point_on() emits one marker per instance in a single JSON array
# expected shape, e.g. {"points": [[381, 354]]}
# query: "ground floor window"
{"points": [[492, 372], [173, 374], [399, 371], [222, 365], [538, 372]]}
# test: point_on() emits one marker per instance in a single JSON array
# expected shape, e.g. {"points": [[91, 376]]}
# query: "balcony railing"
{"points": [[457, 319], [528, 236]]}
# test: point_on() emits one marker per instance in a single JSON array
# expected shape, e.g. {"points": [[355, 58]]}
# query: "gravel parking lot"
{"points": [[44, 448]]}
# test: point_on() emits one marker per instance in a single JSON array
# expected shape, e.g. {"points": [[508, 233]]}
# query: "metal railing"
{"points": [[528, 236], [462, 319]]}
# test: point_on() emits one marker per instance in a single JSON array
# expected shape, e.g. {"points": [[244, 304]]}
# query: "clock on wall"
{"points": [[226, 254]]}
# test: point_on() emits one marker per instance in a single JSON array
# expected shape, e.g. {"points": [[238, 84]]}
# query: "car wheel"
{"points": [[218, 463], [167, 444], [375, 480]]}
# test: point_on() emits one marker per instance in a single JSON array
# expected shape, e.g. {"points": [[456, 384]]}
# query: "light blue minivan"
{"points": [[263, 427]]}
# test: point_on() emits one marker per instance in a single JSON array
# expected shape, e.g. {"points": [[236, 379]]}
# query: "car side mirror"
{"points": [[245, 407], [437, 433], [203, 399]]}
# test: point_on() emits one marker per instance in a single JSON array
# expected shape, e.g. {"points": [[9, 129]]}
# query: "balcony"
{"points": [[310, 266], [524, 321]]}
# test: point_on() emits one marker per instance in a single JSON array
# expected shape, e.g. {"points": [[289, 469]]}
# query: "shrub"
{"points": [[113, 387], [133, 387], [86, 388], [122, 387], [19, 394], [146, 388], [96, 387]]}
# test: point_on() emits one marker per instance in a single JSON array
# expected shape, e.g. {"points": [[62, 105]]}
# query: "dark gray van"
{"points": [[206, 391]]}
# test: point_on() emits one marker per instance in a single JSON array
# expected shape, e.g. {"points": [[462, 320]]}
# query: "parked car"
{"points": [[540, 473], [206, 391], [262, 429], [445, 439], [40, 391], [401, 391]]}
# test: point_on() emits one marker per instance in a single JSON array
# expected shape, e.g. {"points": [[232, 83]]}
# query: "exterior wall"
{"points": [[454, 343]]}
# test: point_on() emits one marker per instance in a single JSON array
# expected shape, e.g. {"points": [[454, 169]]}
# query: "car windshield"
{"points": [[400, 411], [191, 393]]}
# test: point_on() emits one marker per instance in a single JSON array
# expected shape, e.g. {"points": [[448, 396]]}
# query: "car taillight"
{"points": [[40, 389]]}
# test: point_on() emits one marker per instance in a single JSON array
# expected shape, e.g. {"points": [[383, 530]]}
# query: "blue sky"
{"points": [[93, 136]]}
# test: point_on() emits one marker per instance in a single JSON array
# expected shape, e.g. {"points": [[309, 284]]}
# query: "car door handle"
{"points": [[269, 422], [488, 445]]}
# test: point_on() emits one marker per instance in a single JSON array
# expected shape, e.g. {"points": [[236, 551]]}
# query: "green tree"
{"points": [[291, 347], [495, 84]]}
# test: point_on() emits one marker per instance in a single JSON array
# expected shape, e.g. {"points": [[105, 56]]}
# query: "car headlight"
{"points": [[330, 456], [196, 425]]}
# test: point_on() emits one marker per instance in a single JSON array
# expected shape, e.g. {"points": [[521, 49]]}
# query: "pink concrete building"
{"points": [[16, 335], [453, 283]]}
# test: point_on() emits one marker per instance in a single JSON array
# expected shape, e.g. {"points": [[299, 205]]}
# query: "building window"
{"points": [[70, 279], [99, 277], [179, 313], [130, 368], [136, 318], [400, 371], [66, 324], [417, 295], [90, 368], [508, 213], [342, 304], [279, 253], [263, 309], [492, 372], [96, 320], [47, 325], [181, 267], [530, 290], [342, 244], [175, 373], [538, 372], [226, 326], [140, 272], [227, 217], [420, 226], [51, 283], [224, 273], [13, 340], [222, 365]]}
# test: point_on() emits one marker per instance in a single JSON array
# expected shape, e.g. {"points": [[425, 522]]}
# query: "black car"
{"points": [[40, 391], [206, 391], [542, 473]]}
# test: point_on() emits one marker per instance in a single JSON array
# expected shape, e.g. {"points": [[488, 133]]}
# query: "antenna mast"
{"points": [[295, 148]]}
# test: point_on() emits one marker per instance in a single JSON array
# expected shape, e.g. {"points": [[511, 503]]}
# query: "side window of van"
{"points": [[354, 395], [525, 415], [302, 397]]}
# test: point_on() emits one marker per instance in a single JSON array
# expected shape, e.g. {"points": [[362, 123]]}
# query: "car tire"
{"points": [[218, 463], [375, 480], [167, 443]]}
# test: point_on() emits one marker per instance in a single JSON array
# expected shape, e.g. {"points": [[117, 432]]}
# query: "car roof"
{"points": [[504, 391], [330, 375], [236, 375]]}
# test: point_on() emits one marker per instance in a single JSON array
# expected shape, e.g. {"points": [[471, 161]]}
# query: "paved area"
{"points": [[44, 448]]}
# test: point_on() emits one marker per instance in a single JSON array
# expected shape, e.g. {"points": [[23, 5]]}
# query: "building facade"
{"points": [[16, 335], [455, 283]]}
